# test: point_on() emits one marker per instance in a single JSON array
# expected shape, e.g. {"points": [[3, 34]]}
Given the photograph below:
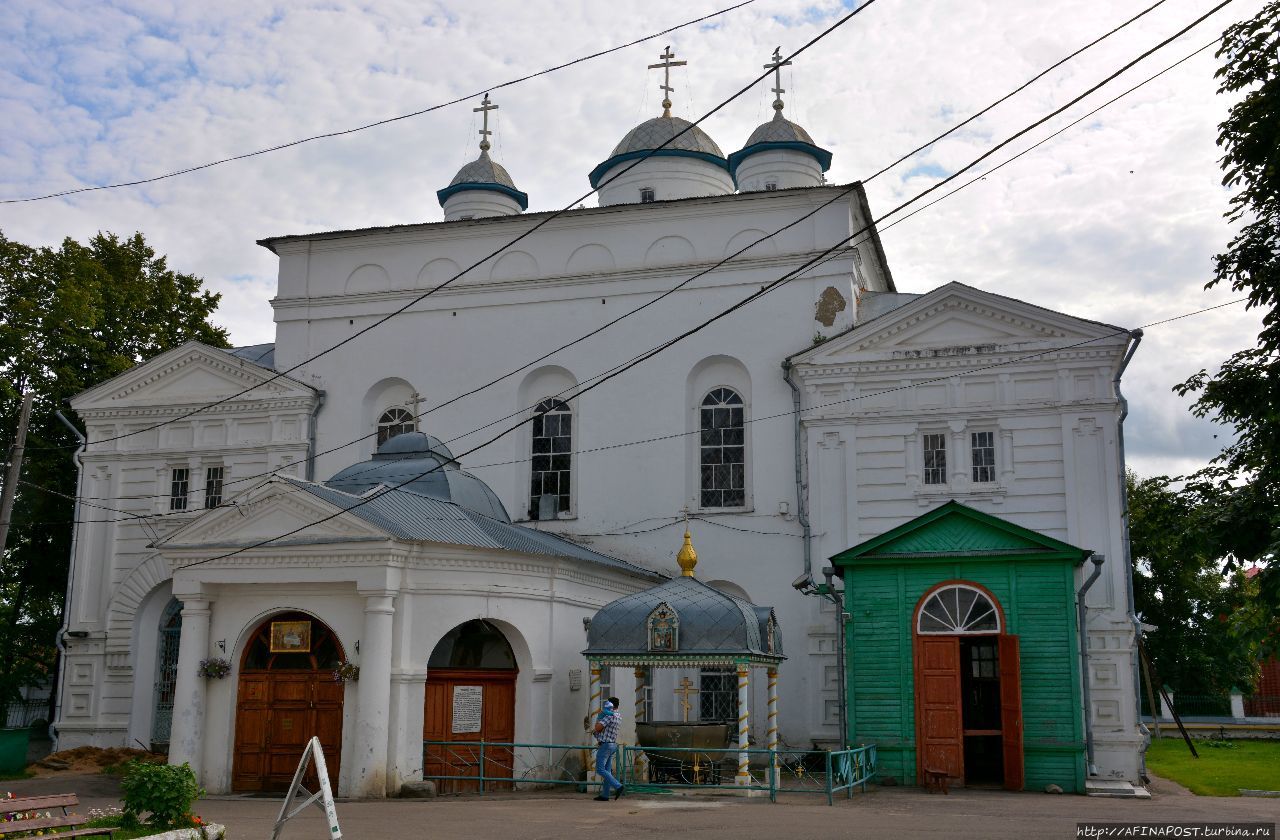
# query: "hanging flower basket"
{"points": [[346, 672], [214, 668]]}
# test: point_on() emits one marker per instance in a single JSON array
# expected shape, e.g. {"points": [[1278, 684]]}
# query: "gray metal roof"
{"points": [[483, 170], [779, 130], [416, 517], [653, 133], [259, 354], [711, 622]]}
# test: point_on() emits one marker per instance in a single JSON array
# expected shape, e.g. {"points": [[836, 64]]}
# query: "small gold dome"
{"points": [[687, 558]]}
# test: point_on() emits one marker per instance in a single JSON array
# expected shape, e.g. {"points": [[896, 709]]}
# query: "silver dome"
{"points": [[653, 133], [779, 130], [483, 170]]}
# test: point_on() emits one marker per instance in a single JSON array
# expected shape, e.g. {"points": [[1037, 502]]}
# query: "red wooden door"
{"points": [[939, 724], [1011, 713], [277, 713], [497, 725]]}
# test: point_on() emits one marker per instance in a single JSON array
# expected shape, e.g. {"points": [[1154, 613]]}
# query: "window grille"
{"points": [[395, 421], [178, 487], [552, 452], [935, 459], [958, 609], [723, 461], [770, 186], [983, 451], [213, 486], [166, 679], [717, 696], [646, 195]]}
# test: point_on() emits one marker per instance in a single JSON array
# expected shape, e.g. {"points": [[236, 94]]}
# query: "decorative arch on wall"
{"points": [[715, 378], [590, 259], [670, 250], [743, 238], [368, 278], [129, 595], [437, 271], [514, 265], [391, 392], [551, 441]]}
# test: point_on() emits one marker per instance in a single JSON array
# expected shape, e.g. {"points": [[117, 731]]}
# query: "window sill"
{"points": [[993, 493], [720, 511], [564, 517]]}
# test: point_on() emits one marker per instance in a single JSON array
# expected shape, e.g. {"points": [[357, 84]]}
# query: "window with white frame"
{"points": [[723, 451], [179, 487], [213, 477], [395, 421], [552, 453], [935, 458], [982, 456]]}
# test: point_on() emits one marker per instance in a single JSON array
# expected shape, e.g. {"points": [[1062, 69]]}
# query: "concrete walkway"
{"points": [[882, 812]]}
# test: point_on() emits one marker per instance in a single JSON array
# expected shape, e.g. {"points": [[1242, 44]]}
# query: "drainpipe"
{"points": [[1135, 338], [1082, 613], [59, 639], [311, 437], [802, 497]]}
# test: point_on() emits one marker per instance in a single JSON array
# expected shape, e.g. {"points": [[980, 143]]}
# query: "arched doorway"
{"points": [[287, 694], [170, 633], [471, 696], [968, 692]]}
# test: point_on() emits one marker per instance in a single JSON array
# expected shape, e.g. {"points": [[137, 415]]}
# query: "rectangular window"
{"points": [[646, 195], [178, 485], [983, 451], [770, 186], [935, 459], [552, 460], [717, 696], [213, 486]]}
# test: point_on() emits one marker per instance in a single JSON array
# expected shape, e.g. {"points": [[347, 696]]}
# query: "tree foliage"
{"points": [[1243, 482], [72, 317]]}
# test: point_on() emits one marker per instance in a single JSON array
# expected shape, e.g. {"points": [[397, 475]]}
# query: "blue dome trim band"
{"points": [[521, 198], [599, 171], [822, 156]]}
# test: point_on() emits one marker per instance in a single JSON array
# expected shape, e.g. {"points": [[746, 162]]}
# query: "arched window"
{"points": [[166, 671], [958, 609], [723, 450], [395, 421], [552, 450]]}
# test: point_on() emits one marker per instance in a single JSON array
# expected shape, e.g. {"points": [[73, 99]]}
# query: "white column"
{"points": [[744, 725], [186, 741], [373, 698], [773, 716], [594, 701]]}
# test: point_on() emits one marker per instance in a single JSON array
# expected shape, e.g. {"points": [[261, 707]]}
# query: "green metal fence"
{"points": [[488, 766]]}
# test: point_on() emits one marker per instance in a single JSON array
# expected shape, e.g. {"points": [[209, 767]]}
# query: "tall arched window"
{"points": [[552, 449], [166, 671], [395, 421], [723, 449]]}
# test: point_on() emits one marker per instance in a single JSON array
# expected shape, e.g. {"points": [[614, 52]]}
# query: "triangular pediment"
{"points": [[956, 320], [279, 511], [956, 530], [191, 374]]}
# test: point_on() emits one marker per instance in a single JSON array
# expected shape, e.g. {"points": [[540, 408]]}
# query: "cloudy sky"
{"points": [[1115, 220]]}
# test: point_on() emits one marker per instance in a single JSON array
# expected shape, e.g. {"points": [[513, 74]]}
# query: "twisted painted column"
{"points": [[594, 704], [773, 717], [642, 679], [744, 727]]}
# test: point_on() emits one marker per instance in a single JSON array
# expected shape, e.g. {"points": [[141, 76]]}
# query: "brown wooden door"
{"points": [[277, 713], [497, 725], [939, 725], [1011, 712]]}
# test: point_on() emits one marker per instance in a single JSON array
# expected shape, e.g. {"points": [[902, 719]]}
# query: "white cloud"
{"points": [[1116, 220]]}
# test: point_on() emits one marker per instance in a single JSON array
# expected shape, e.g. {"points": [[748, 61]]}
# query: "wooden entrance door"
{"points": [[939, 727], [285, 699], [469, 705]]}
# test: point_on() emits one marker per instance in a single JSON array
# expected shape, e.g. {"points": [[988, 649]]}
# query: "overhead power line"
{"points": [[765, 290], [377, 123], [625, 168]]}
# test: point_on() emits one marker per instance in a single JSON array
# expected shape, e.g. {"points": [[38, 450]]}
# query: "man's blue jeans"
{"points": [[604, 759]]}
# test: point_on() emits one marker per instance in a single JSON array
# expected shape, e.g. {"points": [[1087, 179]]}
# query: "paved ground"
{"points": [[883, 812]]}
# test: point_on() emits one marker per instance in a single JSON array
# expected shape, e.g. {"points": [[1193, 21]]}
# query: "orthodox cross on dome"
{"points": [[683, 691], [415, 400], [666, 87], [485, 107], [776, 66]]}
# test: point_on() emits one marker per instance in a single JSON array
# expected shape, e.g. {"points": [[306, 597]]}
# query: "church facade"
{"points": [[362, 516]]}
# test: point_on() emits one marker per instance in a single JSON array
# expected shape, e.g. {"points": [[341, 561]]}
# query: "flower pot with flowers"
{"points": [[346, 672], [214, 668]]}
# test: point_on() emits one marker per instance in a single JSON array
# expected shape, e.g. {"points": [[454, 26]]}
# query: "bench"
{"points": [[43, 804], [935, 779]]}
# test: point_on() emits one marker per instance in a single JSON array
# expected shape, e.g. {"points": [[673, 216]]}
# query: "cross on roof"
{"points": [[776, 66], [666, 87], [485, 107]]}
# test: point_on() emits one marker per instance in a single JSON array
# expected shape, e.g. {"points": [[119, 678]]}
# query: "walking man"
{"points": [[606, 732]]}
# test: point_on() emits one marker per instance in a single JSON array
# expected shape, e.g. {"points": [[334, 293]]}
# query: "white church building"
{"points": [[263, 536]]}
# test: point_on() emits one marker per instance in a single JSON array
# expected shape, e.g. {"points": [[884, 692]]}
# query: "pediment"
{"points": [[272, 511], [956, 320], [192, 373]]}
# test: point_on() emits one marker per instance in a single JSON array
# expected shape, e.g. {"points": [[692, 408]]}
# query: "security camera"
{"points": [[805, 581]]}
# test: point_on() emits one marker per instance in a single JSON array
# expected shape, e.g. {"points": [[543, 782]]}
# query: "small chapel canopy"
{"points": [[684, 622]]}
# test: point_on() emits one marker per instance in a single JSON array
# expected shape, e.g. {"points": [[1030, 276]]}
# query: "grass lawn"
{"points": [[1219, 771]]}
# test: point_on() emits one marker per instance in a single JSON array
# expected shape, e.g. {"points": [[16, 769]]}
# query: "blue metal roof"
{"points": [[259, 354]]}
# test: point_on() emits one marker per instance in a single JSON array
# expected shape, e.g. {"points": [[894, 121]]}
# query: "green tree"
{"points": [[1206, 637], [72, 317], [1242, 485]]}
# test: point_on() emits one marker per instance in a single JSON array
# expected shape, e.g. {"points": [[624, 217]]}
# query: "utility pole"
{"points": [[15, 470]]}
